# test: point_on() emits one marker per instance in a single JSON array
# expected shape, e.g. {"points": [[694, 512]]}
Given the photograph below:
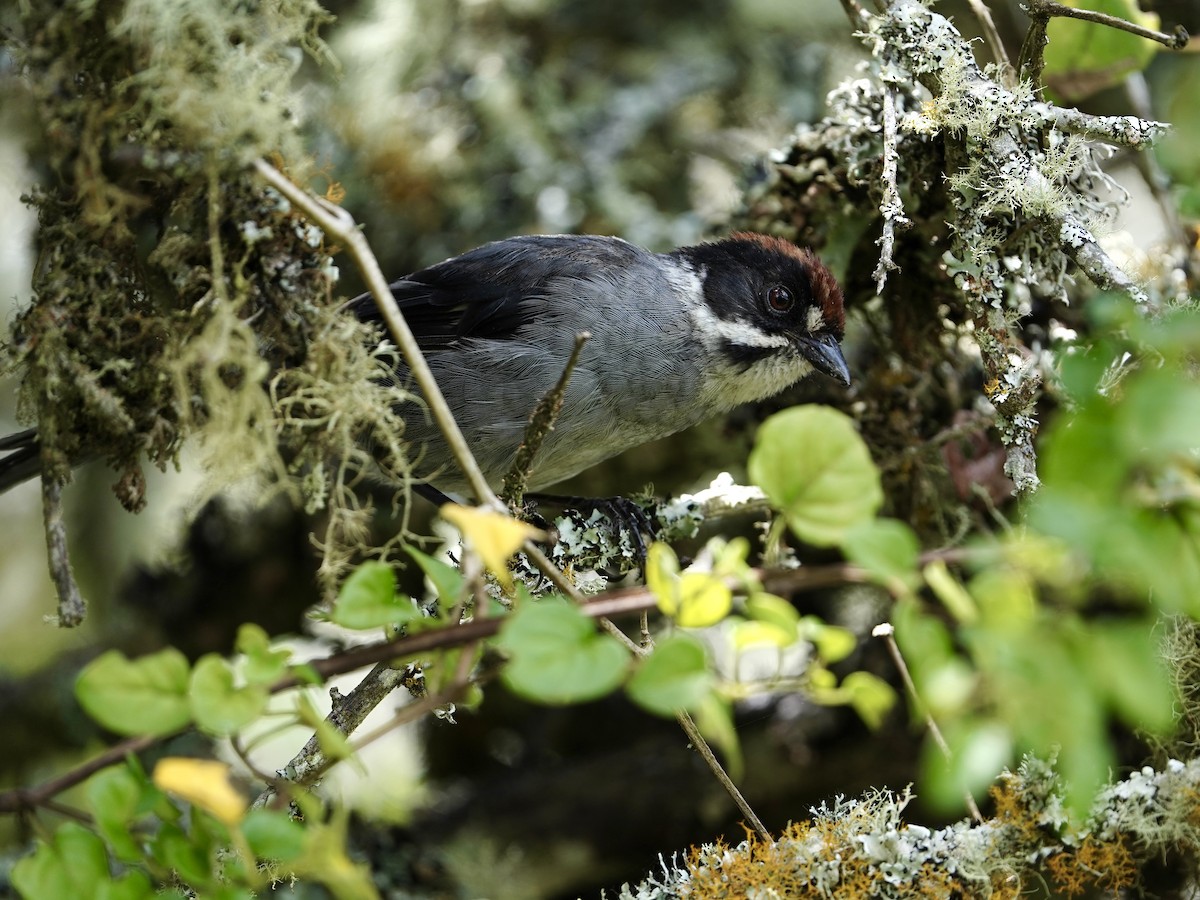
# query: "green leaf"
{"points": [[833, 642], [262, 665], [133, 885], [1006, 598], [273, 834], [952, 594], [662, 574], [174, 849], [751, 632], [1086, 57], [816, 470], [693, 599], [143, 696], [887, 549], [870, 696], [447, 580], [674, 676], [557, 656], [703, 600], [218, 706], [72, 865], [368, 599], [979, 751], [772, 610], [1125, 660], [115, 798]]}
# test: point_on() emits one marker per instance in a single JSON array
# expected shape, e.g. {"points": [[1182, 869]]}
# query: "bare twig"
{"points": [[339, 224], [856, 14], [541, 423], [71, 605], [888, 633], [705, 751], [21, 799], [1176, 40], [1032, 58], [992, 36]]}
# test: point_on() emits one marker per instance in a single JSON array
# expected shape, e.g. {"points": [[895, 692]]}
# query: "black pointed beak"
{"points": [[826, 356]]}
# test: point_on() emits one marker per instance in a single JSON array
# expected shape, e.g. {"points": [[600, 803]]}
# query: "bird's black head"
{"points": [[767, 296]]}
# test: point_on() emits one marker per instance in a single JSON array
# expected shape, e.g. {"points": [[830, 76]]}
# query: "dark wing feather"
{"points": [[490, 292], [23, 462]]}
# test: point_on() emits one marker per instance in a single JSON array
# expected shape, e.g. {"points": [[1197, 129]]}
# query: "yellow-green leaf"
{"points": [[495, 536], [203, 783]]}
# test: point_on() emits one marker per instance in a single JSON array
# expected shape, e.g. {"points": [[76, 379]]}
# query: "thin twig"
{"points": [[20, 799], [1176, 40], [541, 423], [339, 224], [856, 14], [1032, 59], [71, 606], [992, 36], [689, 728], [346, 714], [888, 633]]}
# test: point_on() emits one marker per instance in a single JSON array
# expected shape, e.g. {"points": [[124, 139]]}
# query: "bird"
{"points": [[676, 338]]}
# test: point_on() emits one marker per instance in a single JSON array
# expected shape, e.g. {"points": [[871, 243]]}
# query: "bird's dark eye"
{"points": [[780, 299]]}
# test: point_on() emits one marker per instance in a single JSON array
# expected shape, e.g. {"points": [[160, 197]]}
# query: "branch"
{"points": [[71, 605], [1033, 48], [339, 224]]}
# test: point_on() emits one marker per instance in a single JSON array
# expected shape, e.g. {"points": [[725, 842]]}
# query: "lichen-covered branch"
{"points": [[863, 848]]}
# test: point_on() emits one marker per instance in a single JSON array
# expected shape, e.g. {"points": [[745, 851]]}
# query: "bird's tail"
{"points": [[22, 458]]}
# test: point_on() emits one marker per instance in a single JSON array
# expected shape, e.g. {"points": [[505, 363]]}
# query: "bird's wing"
{"points": [[490, 292], [23, 462]]}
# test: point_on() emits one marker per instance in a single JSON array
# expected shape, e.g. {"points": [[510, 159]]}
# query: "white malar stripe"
{"points": [[714, 331]]}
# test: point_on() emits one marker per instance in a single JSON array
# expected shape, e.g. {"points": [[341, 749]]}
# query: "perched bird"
{"points": [[676, 338]]}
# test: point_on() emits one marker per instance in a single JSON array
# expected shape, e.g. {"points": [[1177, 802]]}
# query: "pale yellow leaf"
{"points": [[495, 536], [203, 783]]}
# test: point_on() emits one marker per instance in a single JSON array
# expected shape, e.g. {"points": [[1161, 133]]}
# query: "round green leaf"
{"points": [[218, 706], [132, 885], [704, 600], [1083, 57], [368, 599], [871, 697], [142, 696], [887, 549], [833, 642], [558, 656], [262, 665], [72, 865], [447, 580], [816, 470], [273, 834], [674, 676], [979, 751], [764, 607], [115, 799]]}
